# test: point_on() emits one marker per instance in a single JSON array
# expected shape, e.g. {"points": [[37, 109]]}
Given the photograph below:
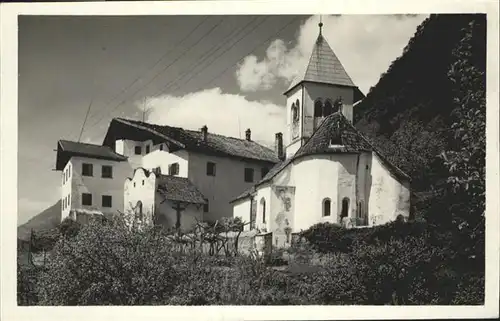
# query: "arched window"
{"points": [[345, 207], [337, 105], [318, 108], [295, 113], [138, 210], [328, 108], [327, 207], [263, 208]]}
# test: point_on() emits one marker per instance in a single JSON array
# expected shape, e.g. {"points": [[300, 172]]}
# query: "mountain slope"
{"points": [[46, 220], [408, 114]]}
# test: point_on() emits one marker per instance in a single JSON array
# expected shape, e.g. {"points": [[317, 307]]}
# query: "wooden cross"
{"points": [[178, 209]]}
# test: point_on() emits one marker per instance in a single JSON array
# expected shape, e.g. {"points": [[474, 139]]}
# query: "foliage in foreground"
{"points": [[107, 264]]}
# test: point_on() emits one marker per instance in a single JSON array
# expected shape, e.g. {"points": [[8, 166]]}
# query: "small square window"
{"points": [[161, 146], [106, 201], [205, 208], [148, 148], [210, 169], [264, 172], [87, 199], [138, 150], [367, 167], [142, 182], [249, 175], [107, 171], [87, 170]]}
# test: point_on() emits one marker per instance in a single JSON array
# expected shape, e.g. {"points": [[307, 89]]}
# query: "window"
{"points": [[134, 184], [157, 171], [263, 208], [63, 178], [367, 167], [345, 208], [64, 203], [264, 171], [106, 201], [87, 170], [205, 207], [69, 170], [87, 199], [210, 169], [138, 150], [337, 105], [142, 182], [327, 207], [249, 175], [69, 199], [147, 149], [295, 113], [138, 210], [173, 169], [318, 108], [328, 108], [107, 171], [161, 146]]}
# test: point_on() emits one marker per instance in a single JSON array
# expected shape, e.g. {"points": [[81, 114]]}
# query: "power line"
{"points": [[265, 41], [86, 116], [158, 61], [164, 69], [209, 55]]}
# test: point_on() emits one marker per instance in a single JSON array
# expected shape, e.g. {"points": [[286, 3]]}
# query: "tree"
{"points": [[466, 160]]}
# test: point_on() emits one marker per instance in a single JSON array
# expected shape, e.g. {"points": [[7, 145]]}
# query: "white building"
{"points": [[92, 179], [330, 173]]}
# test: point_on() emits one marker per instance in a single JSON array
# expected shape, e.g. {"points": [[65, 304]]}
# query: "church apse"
{"points": [[282, 214]]}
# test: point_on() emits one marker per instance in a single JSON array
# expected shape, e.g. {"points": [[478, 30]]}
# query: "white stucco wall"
{"points": [[241, 208], [388, 196], [228, 183], [135, 190], [127, 148], [290, 144], [66, 189], [264, 193], [162, 159], [96, 185]]}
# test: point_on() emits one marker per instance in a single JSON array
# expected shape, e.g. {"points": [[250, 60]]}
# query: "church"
{"points": [[328, 171], [322, 169]]}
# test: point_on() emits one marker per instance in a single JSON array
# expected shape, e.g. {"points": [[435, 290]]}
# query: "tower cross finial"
{"points": [[320, 24]]}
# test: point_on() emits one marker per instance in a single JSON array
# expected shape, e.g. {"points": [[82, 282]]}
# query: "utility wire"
{"points": [[85, 120], [163, 70], [264, 42], [229, 38], [138, 78]]}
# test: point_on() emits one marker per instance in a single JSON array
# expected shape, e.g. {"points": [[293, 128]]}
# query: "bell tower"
{"points": [[322, 88]]}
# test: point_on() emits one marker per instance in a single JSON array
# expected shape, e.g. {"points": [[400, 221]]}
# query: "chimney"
{"points": [[248, 134], [278, 146], [204, 131]]}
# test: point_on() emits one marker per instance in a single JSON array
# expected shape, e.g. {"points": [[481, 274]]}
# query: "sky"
{"points": [[226, 72]]}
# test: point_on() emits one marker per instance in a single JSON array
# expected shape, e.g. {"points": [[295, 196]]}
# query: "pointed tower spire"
{"points": [[323, 67]]}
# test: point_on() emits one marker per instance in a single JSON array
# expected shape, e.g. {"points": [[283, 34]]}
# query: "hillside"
{"points": [[408, 114], [46, 220]]}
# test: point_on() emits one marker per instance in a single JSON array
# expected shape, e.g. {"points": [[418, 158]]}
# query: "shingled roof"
{"points": [[67, 149], [180, 189], [335, 135], [193, 140], [323, 67]]}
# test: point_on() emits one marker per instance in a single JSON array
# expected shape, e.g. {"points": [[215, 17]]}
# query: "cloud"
{"points": [[365, 44], [223, 113]]}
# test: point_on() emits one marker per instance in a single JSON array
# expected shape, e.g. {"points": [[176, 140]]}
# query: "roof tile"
{"points": [[179, 189], [323, 67], [193, 140]]}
